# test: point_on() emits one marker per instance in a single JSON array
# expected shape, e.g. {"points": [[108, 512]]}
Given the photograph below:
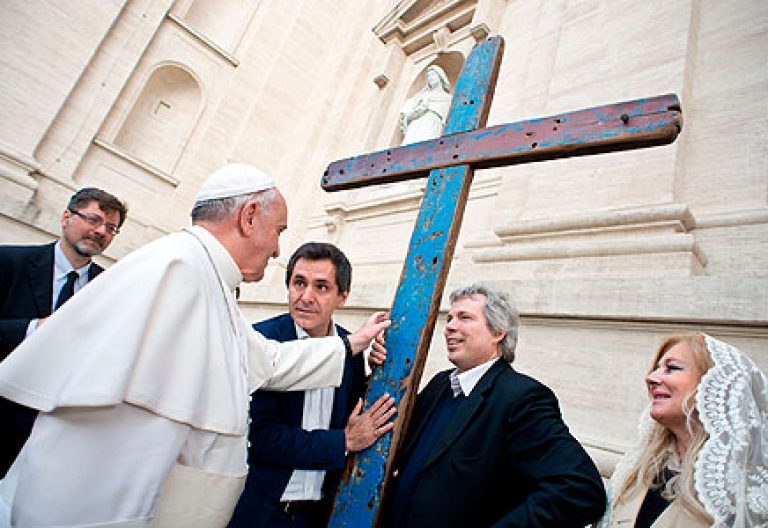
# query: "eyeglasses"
{"points": [[96, 222]]}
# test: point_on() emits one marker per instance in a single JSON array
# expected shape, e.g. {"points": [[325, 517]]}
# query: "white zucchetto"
{"points": [[234, 179]]}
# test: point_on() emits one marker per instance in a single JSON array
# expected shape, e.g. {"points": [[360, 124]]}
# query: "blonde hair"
{"points": [[658, 448]]}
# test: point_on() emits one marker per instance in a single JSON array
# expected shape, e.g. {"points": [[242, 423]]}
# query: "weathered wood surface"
{"points": [[419, 293], [622, 126], [450, 162]]}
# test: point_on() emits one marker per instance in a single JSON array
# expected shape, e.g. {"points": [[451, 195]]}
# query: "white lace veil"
{"points": [[731, 470]]}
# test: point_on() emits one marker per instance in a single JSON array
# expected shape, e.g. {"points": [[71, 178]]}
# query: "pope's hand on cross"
{"points": [[374, 325]]}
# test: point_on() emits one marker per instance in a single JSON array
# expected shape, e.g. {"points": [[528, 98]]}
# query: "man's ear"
{"points": [[497, 338], [65, 216], [342, 299], [247, 217]]}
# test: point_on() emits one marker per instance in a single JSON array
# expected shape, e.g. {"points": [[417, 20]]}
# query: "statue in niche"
{"points": [[423, 115]]}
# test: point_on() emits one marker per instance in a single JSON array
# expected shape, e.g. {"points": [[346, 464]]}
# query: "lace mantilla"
{"points": [[731, 472]]}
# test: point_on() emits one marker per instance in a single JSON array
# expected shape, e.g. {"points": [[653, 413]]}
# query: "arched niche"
{"points": [[451, 63], [161, 121], [221, 21]]}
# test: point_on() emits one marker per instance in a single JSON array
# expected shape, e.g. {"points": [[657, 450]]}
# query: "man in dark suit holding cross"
{"points": [[487, 445], [36, 280], [299, 441]]}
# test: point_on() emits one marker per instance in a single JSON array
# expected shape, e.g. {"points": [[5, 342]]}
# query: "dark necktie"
{"points": [[68, 290]]}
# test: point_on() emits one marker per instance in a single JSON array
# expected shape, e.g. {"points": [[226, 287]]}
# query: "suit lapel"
{"points": [[340, 394], [294, 400], [287, 328], [40, 275], [93, 271], [465, 412], [418, 423]]}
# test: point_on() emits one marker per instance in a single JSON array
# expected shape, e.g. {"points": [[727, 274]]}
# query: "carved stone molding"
{"points": [[676, 216], [333, 223], [440, 38], [682, 243], [399, 197], [390, 200], [417, 24], [17, 167], [136, 162], [733, 218], [480, 31], [205, 41], [381, 80], [631, 240]]}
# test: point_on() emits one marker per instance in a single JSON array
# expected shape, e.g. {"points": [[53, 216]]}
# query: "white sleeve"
{"points": [[294, 365]]}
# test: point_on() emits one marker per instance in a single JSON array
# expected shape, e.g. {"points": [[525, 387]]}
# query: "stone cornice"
{"points": [[133, 160], [205, 41], [419, 32], [17, 167]]}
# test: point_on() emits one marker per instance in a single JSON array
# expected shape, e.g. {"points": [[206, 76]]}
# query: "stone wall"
{"points": [[604, 255]]}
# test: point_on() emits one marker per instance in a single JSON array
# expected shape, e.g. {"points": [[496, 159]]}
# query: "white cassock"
{"points": [[143, 378]]}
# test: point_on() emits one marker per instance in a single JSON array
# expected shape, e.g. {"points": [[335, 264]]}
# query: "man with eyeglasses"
{"points": [[36, 280]]}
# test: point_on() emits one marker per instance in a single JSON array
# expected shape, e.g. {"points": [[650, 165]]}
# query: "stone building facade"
{"points": [[604, 255]]}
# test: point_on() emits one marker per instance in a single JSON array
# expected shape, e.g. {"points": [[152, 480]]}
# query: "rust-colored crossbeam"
{"points": [[621, 126]]}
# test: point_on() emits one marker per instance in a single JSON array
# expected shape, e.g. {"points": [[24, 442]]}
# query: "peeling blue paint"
{"points": [[449, 162], [621, 126], [420, 290]]}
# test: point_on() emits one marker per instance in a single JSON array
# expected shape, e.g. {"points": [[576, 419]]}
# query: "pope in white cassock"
{"points": [[143, 377]]}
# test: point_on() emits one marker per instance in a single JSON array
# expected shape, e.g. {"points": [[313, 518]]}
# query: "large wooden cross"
{"points": [[450, 161]]}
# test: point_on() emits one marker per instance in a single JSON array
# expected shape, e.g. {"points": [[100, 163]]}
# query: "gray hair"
{"points": [[500, 315], [219, 209]]}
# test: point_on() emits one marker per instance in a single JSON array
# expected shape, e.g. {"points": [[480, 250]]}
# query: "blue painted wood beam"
{"points": [[419, 293]]}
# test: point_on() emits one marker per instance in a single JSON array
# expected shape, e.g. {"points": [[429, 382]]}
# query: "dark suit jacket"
{"points": [[279, 444], [26, 290], [506, 459]]}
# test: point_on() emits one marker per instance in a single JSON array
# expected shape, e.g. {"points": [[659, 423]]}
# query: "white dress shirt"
{"points": [[61, 268], [464, 382], [307, 484]]}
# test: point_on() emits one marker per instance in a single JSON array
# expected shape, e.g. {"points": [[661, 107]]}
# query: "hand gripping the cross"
{"points": [[378, 353], [373, 326], [363, 429]]}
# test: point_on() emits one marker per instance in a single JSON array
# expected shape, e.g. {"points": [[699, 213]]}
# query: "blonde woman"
{"points": [[702, 457]]}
